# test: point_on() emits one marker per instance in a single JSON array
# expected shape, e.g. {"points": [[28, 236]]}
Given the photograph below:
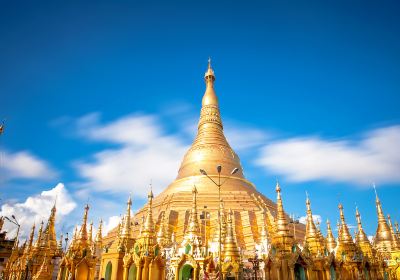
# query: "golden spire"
{"points": [[38, 242], [281, 219], [210, 146], [361, 237], [283, 238], [193, 227], [330, 239], [383, 236], [30, 242], [90, 234], [312, 237], [395, 241], [209, 98], [345, 233], [83, 234], [148, 235], [230, 248], [50, 231], [99, 235], [161, 234], [126, 228], [149, 224]]}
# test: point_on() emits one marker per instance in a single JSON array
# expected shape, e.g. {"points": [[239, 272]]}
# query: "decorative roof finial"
{"points": [[330, 239], [346, 236]]}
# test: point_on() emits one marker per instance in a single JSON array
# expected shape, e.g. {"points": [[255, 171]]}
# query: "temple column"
{"points": [[126, 271], [139, 272], [195, 273], [145, 272]]}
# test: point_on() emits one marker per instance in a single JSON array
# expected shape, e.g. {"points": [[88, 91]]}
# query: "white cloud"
{"points": [[145, 154], [242, 137], [111, 223], [374, 158], [316, 218], [24, 165], [37, 208]]}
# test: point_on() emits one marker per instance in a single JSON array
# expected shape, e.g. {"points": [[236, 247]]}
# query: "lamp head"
{"points": [[202, 171], [219, 168], [235, 170]]}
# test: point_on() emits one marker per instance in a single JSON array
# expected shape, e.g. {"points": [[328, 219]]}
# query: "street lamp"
{"points": [[66, 243], [219, 185], [15, 222], [256, 264]]}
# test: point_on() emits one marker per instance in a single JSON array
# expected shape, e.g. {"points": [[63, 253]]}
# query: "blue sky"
{"points": [[313, 84]]}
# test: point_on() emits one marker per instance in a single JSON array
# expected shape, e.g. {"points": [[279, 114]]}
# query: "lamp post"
{"points": [[66, 243], [256, 264], [219, 185], [15, 222]]}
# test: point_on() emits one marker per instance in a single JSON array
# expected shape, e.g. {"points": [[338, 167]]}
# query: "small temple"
{"points": [[211, 222]]}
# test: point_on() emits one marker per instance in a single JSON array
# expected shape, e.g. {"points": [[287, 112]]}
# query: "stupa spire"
{"points": [[361, 237], [126, 228], [210, 146], [99, 235], [38, 242], [90, 233], [281, 220], [50, 230], [383, 236], [345, 233], [161, 234], [83, 234], [395, 241], [230, 248], [30, 241], [283, 238], [330, 239], [193, 228], [312, 237]]}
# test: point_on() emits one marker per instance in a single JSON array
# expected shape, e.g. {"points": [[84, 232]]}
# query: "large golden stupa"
{"points": [[209, 150]]}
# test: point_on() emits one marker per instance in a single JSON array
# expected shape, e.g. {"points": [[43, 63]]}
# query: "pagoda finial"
{"points": [[193, 225], [30, 241], [127, 220], [330, 239], [149, 224], [161, 234], [230, 249], [383, 237], [99, 234], [312, 234], [283, 237], [361, 237], [90, 234], [83, 235], [395, 240], [209, 98], [39, 237], [281, 220], [345, 233]]}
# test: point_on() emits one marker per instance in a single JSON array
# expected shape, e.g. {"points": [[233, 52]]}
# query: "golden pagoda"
{"points": [[39, 259], [80, 260], [240, 234]]}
